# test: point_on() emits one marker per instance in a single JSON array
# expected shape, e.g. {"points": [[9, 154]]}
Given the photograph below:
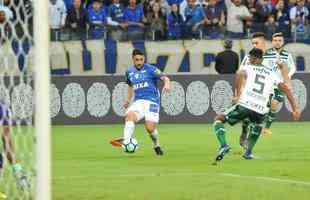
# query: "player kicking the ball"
{"points": [[142, 84], [254, 84]]}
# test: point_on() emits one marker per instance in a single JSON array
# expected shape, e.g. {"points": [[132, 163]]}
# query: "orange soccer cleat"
{"points": [[266, 131], [117, 142]]}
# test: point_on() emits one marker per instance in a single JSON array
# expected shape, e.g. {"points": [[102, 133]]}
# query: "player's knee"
{"points": [[274, 104], [220, 118], [130, 116]]}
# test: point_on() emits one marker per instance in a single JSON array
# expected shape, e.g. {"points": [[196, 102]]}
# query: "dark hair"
{"points": [[137, 52], [258, 35], [228, 44], [257, 53], [279, 34]]}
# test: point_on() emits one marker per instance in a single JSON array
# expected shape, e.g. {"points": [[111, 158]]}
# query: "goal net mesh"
{"points": [[16, 97]]}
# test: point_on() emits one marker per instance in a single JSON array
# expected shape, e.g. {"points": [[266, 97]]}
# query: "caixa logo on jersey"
{"points": [[140, 85]]}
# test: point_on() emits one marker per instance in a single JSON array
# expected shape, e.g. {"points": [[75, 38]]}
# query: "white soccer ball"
{"points": [[130, 145]]}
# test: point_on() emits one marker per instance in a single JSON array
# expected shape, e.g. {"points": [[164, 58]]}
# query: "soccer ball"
{"points": [[130, 145]]}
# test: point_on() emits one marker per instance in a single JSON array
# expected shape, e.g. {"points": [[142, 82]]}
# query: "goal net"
{"points": [[18, 101]]}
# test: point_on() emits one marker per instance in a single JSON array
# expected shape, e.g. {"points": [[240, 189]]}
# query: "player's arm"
{"points": [[291, 66], [167, 85], [158, 74], [286, 89], [240, 78], [284, 71], [129, 91]]}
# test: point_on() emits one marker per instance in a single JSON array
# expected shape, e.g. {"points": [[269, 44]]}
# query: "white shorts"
{"points": [[145, 109]]}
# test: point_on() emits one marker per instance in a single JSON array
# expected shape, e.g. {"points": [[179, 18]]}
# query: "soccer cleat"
{"points": [[222, 151], [2, 196], [266, 131], [22, 181], [117, 142], [158, 151], [248, 155]]}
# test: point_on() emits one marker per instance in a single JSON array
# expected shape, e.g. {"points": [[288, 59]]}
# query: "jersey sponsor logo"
{"points": [[140, 85], [255, 106]]}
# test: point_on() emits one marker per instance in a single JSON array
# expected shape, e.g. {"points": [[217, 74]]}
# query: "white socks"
{"points": [[128, 129], [154, 138]]}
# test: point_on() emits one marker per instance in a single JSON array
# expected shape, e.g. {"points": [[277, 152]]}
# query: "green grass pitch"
{"points": [[86, 166]]}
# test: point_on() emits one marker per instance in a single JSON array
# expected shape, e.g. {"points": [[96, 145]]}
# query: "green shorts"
{"points": [[278, 95], [238, 113]]}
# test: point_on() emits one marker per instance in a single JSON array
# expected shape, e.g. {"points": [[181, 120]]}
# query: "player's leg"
{"points": [[2, 196], [151, 121], [134, 114], [270, 117], [255, 129], [153, 133], [244, 133], [254, 133], [233, 115], [9, 151]]}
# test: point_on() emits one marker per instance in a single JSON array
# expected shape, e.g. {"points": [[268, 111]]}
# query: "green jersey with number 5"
{"points": [[259, 86]]}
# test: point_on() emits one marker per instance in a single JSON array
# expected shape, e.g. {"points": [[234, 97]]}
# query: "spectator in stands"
{"points": [[227, 61], [116, 20], [194, 19], [77, 20], [148, 6], [57, 18], [299, 20], [177, 2], [215, 19], [133, 16], [282, 19], [270, 27], [6, 11], [69, 4], [175, 23], [97, 18], [263, 9], [237, 14], [156, 22]]}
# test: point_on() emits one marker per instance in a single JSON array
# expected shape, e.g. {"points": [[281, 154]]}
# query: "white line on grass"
{"points": [[238, 176]]}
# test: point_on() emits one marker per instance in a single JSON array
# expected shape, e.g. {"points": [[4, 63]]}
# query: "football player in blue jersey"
{"points": [[142, 85]]}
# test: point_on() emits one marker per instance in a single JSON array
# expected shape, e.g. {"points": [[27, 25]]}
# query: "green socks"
{"points": [[16, 168], [270, 117], [253, 137], [220, 131]]}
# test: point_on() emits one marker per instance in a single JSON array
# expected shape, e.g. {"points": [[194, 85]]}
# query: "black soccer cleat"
{"points": [[158, 151]]}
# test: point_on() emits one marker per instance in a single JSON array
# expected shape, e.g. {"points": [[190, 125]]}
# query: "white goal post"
{"points": [[42, 99]]}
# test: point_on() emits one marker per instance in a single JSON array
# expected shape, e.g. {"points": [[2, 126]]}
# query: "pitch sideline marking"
{"points": [[263, 178]]}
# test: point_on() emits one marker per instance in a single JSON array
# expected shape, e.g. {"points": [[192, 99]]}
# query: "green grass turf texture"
{"points": [[86, 166]]}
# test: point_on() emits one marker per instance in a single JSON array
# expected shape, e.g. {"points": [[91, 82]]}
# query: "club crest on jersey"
{"points": [[140, 85], [137, 76], [158, 71]]}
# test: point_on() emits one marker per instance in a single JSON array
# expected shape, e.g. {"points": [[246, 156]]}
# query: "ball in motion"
{"points": [[130, 145]]}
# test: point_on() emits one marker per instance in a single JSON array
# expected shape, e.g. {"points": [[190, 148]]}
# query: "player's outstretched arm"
{"points": [[286, 89], [167, 85]]}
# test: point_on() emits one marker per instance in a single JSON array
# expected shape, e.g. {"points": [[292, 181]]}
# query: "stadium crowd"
{"points": [[170, 19], [175, 19]]}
